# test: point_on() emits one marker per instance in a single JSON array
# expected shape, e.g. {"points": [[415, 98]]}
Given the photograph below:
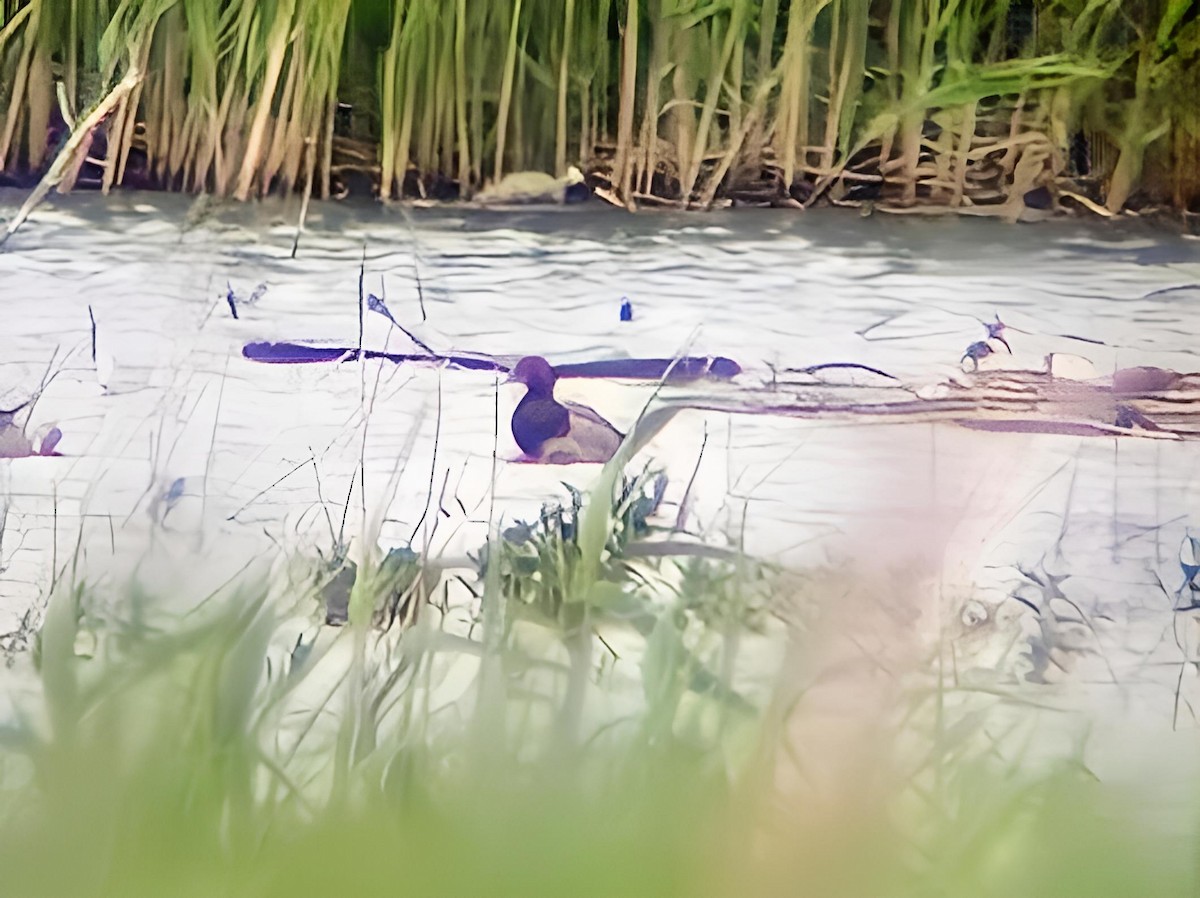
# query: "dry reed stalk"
{"points": [[846, 63], [766, 36], [175, 96], [406, 120], [331, 44], [652, 112], [684, 83], [1137, 133], [77, 142], [756, 141], [623, 167], [277, 44], [916, 52], [234, 88], [301, 122], [71, 175], [231, 142], [125, 121], [391, 70], [193, 159], [480, 26], [733, 86], [1025, 177], [962, 163], [429, 117], [719, 65], [1019, 143], [222, 145], [460, 94], [326, 166], [71, 67], [564, 69], [752, 119], [10, 28], [447, 107], [40, 93], [311, 156], [506, 85], [13, 116], [284, 132], [1009, 160], [791, 131], [116, 131], [518, 145]]}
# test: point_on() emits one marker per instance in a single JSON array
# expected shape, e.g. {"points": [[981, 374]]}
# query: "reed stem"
{"points": [[234, 90]]}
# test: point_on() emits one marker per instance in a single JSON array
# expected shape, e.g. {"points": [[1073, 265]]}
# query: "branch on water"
{"points": [[76, 143]]}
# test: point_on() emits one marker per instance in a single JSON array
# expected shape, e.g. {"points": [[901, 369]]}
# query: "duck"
{"points": [[531, 187], [553, 432]]}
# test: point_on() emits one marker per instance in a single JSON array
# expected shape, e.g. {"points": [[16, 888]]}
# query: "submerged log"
{"points": [[683, 368], [1143, 401], [1154, 403]]}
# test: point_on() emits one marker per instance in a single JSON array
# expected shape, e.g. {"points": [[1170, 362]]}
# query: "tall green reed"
{"points": [[683, 98], [237, 747]]}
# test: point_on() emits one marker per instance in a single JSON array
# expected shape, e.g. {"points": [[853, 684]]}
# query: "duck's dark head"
{"points": [[535, 372]]}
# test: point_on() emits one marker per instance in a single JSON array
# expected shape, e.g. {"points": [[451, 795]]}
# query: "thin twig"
{"points": [[813, 369], [420, 290], [681, 517], [437, 432], [64, 106], [321, 500], [308, 183], [92, 315], [47, 379], [212, 445], [263, 492], [377, 304], [495, 448], [362, 273], [346, 507], [54, 548]]}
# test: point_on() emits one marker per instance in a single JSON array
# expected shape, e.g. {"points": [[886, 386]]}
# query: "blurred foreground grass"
{"points": [[595, 726]]}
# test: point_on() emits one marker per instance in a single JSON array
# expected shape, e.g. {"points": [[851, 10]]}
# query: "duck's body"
{"points": [[553, 432], [531, 187]]}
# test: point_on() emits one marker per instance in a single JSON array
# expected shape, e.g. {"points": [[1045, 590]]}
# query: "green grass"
{"points": [[590, 718]]}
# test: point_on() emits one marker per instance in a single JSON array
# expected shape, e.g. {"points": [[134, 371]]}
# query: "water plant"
{"points": [[962, 105], [237, 746]]}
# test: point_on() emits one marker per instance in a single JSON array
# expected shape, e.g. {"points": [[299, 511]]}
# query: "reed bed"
{"points": [[951, 104]]}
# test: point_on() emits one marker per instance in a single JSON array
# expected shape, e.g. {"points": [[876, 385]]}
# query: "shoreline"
{"points": [[330, 215]]}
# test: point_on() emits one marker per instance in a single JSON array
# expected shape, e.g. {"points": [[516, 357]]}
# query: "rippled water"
{"points": [[932, 529]]}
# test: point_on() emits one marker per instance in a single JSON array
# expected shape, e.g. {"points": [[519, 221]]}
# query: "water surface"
{"points": [[1032, 557]]}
